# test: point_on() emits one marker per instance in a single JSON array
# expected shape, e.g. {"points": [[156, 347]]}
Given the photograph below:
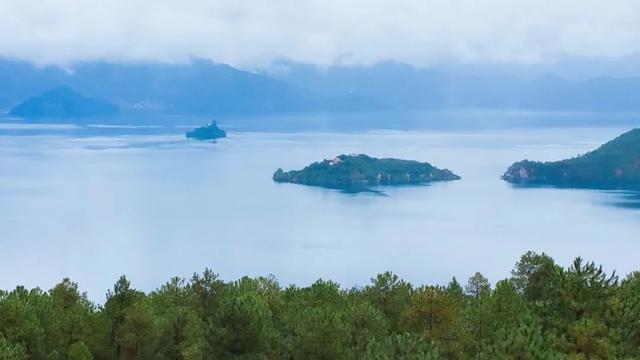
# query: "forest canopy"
{"points": [[543, 311]]}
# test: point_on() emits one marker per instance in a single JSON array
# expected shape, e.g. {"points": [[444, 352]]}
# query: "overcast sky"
{"points": [[251, 34]]}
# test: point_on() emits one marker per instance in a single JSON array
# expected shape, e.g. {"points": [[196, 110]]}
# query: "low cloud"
{"points": [[253, 33]]}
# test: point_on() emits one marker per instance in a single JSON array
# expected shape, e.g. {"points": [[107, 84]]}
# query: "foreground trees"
{"points": [[543, 311]]}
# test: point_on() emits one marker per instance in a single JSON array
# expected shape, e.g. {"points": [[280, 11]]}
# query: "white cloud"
{"points": [[252, 33]]}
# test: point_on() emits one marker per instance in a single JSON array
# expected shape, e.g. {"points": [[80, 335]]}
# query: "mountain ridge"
{"points": [[203, 87]]}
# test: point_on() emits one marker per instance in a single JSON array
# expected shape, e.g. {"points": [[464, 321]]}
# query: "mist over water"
{"points": [[155, 205]]}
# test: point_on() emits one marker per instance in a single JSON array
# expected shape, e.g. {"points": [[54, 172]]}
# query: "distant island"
{"points": [[615, 165], [207, 132], [62, 102], [362, 171]]}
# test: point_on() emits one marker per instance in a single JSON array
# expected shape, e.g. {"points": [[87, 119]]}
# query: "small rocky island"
{"points": [[207, 132], [615, 165], [63, 103], [362, 171]]}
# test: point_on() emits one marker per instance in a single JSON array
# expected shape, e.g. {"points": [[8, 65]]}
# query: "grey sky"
{"points": [[252, 33]]}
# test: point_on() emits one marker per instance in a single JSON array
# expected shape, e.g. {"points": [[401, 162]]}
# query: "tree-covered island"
{"points": [[362, 171], [210, 131]]}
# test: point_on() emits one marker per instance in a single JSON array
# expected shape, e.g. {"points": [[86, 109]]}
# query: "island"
{"points": [[353, 172], [207, 132], [615, 165], [62, 103]]}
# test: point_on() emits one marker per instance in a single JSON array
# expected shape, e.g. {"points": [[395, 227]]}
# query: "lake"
{"points": [[93, 205]]}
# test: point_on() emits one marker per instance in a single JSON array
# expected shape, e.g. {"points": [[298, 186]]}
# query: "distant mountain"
{"points": [[197, 88], [61, 103], [205, 88], [401, 86], [615, 165], [21, 80]]}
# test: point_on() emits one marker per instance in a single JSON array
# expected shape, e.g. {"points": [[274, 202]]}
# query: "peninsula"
{"points": [[615, 165]]}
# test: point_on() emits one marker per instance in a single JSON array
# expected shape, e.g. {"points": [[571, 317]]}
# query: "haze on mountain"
{"points": [[217, 58], [203, 87]]}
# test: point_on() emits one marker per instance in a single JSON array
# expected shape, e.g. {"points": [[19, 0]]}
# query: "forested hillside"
{"points": [[614, 165], [543, 311]]}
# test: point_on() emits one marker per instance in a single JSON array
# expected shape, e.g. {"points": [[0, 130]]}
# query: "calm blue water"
{"points": [[156, 205]]}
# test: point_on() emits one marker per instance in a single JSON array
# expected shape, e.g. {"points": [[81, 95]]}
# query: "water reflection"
{"points": [[626, 200]]}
